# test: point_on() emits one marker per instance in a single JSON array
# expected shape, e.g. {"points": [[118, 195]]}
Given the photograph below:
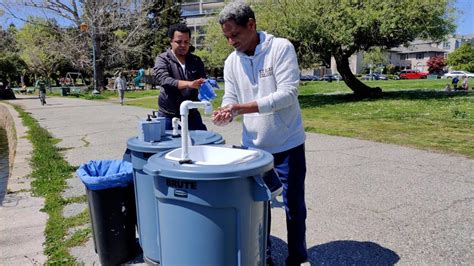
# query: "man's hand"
{"points": [[223, 115], [195, 84]]}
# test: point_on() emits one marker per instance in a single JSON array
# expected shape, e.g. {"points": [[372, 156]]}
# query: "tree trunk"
{"points": [[357, 86], [99, 63]]}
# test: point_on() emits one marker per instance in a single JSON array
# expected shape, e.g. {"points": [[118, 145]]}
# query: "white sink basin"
{"points": [[214, 155]]}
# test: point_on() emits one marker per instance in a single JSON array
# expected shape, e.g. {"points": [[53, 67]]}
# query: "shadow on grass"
{"points": [[314, 100]]}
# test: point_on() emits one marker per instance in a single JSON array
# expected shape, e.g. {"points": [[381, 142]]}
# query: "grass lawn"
{"points": [[415, 113]]}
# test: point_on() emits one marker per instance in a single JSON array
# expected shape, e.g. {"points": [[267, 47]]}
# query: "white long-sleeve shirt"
{"points": [[271, 78]]}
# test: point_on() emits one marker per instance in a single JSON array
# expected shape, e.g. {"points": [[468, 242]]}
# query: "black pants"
{"points": [[291, 168]]}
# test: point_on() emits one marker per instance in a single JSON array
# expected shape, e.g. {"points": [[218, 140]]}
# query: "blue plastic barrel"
{"points": [[213, 214], [147, 215]]}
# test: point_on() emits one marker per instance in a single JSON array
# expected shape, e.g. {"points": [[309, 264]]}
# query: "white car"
{"points": [[458, 74]]}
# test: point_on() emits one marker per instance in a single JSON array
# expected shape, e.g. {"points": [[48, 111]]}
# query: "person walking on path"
{"points": [[180, 74], [261, 83], [120, 85], [41, 86]]}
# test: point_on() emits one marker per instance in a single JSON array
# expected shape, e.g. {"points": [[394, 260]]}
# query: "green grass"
{"points": [[49, 173], [414, 113]]}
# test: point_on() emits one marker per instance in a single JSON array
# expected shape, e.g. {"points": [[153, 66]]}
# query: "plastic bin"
{"points": [[214, 210], [147, 215], [65, 91], [111, 199]]}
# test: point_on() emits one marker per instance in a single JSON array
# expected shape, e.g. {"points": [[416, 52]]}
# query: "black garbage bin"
{"points": [[65, 91], [111, 198]]}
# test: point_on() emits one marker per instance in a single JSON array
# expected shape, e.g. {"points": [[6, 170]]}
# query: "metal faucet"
{"points": [[184, 112]]}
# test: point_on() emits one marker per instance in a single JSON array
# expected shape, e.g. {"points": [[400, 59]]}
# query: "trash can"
{"points": [[65, 91], [111, 199], [213, 211], [147, 219]]}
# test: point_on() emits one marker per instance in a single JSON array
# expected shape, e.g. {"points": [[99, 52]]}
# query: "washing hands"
{"points": [[224, 115]]}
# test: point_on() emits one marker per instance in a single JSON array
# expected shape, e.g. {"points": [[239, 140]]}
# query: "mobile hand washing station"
{"points": [[140, 150], [202, 205], [212, 206], [211, 202]]}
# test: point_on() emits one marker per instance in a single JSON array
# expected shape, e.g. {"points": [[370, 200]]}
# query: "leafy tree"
{"points": [[161, 15], [8, 42], [11, 66], [462, 58], [38, 45], [117, 30], [341, 28], [436, 64], [391, 69], [375, 58], [215, 49]]}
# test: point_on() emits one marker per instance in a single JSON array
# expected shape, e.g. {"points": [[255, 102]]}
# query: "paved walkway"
{"points": [[368, 203]]}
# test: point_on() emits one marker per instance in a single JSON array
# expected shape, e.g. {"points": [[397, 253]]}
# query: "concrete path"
{"points": [[368, 203]]}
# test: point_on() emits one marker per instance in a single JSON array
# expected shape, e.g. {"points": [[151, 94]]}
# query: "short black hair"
{"points": [[178, 27]]}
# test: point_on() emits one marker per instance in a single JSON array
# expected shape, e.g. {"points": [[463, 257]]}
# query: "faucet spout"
{"points": [[184, 112], [175, 122]]}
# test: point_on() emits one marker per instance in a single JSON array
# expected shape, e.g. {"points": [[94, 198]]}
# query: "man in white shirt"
{"points": [[261, 83]]}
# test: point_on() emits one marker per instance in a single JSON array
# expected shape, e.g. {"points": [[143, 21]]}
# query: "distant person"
{"points": [[455, 83], [448, 88], [23, 88], [465, 83], [41, 86], [180, 74], [120, 85]]}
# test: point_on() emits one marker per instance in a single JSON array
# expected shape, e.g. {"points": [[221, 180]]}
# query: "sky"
{"points": [[464, 21]]}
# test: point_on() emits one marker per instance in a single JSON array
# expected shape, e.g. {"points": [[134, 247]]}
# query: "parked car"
{"points": [[412, 74], [309, 78], [337, 76], [375, 76], [328, 78], [458, 74], [331, 77]]}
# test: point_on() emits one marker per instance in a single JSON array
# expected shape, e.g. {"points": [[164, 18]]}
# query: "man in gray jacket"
{"points": [[261, 83], [180, 74]]}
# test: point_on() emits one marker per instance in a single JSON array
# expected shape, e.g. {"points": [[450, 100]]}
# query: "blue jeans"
{"points": [[291, 168], [194, 121]]}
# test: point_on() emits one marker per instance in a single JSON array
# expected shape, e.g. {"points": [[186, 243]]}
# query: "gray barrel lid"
{"points": [[198, 137], [158, 165]]}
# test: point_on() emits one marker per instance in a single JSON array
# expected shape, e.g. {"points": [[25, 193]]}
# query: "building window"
{"points": [[404, 57], [420, 55], [446, 45]]}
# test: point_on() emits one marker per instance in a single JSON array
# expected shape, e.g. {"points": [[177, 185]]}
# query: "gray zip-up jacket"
{"points": [[167, 71], [271, 78]]}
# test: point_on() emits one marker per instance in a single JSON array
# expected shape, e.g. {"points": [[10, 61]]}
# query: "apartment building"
{"points": [[197, 13], [415, 56]]}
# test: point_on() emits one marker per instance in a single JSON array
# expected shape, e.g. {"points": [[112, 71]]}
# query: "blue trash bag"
{"points": [[206, 92], [103, 174]]}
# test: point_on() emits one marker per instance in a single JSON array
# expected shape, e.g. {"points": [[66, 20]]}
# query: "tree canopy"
{"points": [[38, 43], [341, 28], [462, 58], [123, 34]]}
